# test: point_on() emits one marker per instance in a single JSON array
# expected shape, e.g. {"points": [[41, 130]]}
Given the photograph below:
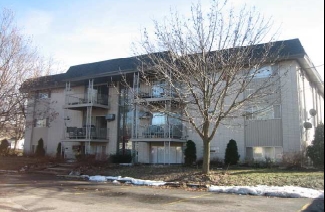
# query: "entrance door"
{"points": [[159, 155]]}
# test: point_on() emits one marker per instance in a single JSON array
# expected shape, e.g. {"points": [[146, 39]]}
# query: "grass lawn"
{"points": [[272, 177]]}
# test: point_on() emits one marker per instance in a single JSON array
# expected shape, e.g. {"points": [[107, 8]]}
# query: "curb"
{"points": [[8, 171]]}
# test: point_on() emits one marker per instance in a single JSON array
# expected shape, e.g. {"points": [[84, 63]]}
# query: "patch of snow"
{"points": [[147, 182], [97, 178], [274, 191], [128, 180], [85, 176]]}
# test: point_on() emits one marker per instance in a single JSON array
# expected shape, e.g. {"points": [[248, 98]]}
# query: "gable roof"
{"points": [[290, 49], [107, 66], [44, 82]]}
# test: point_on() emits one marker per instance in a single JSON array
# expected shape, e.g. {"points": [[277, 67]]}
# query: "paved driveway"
{"points": [[47, 193]]}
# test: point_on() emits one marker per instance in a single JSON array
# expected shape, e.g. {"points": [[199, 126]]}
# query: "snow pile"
{"points": [[260, 190], [131, 180], [97, 178], [275, 191]]}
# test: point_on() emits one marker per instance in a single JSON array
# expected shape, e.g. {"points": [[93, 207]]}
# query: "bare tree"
{"points": [[213, 67], [19, 61]]}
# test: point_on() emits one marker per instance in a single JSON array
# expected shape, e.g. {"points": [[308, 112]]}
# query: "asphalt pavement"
{"points": [[38, 193]]}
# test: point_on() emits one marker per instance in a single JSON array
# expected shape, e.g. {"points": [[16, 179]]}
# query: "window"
{"points": [[43, 95], [175, 119], [261, 153], [158, 119], [40, 123], [262, 72], [158, 88], [263, 112]]}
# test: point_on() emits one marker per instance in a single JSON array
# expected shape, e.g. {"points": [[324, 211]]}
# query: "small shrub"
{"points": [[269, 162], [89, 158], [40, 151], [293, 160], [232, 156], [4, 147], [190, 153], [249, 162], [119, 158], [216, 162]]}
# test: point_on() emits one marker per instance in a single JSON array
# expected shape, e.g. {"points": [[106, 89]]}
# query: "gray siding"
{"points": [[291, 108], [264, 133]]}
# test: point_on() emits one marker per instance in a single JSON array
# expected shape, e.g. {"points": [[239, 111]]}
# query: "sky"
{"points": [[75, 32]]}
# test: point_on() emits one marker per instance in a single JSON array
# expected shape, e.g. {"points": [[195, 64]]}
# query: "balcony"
{"points": [[158, 91], [158, 132], [84, 100], [80, 133]]}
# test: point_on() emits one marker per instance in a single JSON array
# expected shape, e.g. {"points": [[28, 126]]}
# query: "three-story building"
{"points": [[91, 109]]}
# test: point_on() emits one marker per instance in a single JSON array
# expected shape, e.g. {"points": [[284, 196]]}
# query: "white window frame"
{"points": [[40, 123], [253, 115], [43, 95], [262, 152], [262, 72]]}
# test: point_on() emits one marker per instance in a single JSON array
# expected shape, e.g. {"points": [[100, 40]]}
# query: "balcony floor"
{"points": [[85, 140], [84, 106], [148, 140]]}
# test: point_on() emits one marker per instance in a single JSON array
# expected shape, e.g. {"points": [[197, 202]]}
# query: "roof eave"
{"points": [[107, 74], [312, 73]]}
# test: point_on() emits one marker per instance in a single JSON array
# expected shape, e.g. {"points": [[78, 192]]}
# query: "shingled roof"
{"points": [[107, 66], [290, 49]]}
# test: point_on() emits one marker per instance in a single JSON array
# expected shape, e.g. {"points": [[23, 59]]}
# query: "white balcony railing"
{"points": [[155, 92], [159, 131], [78, 99], [81, 132]]}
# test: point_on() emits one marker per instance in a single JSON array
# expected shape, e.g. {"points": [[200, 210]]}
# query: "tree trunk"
{"points": [[206, 157]]}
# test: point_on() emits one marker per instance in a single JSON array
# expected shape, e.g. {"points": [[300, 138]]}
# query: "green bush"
{"points": [[40, 151], [232, 156], [4, 147], [119, 158], [316, 150], [190, 153]]}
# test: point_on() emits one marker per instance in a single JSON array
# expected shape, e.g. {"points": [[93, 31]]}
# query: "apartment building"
{"points": [[89, 109]]}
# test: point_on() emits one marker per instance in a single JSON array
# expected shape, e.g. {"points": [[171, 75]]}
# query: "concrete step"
{"points": [[68, 165], [45, 171]]}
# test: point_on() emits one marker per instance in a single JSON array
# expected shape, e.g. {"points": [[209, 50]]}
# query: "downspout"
{"points": [[118, 118]]}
